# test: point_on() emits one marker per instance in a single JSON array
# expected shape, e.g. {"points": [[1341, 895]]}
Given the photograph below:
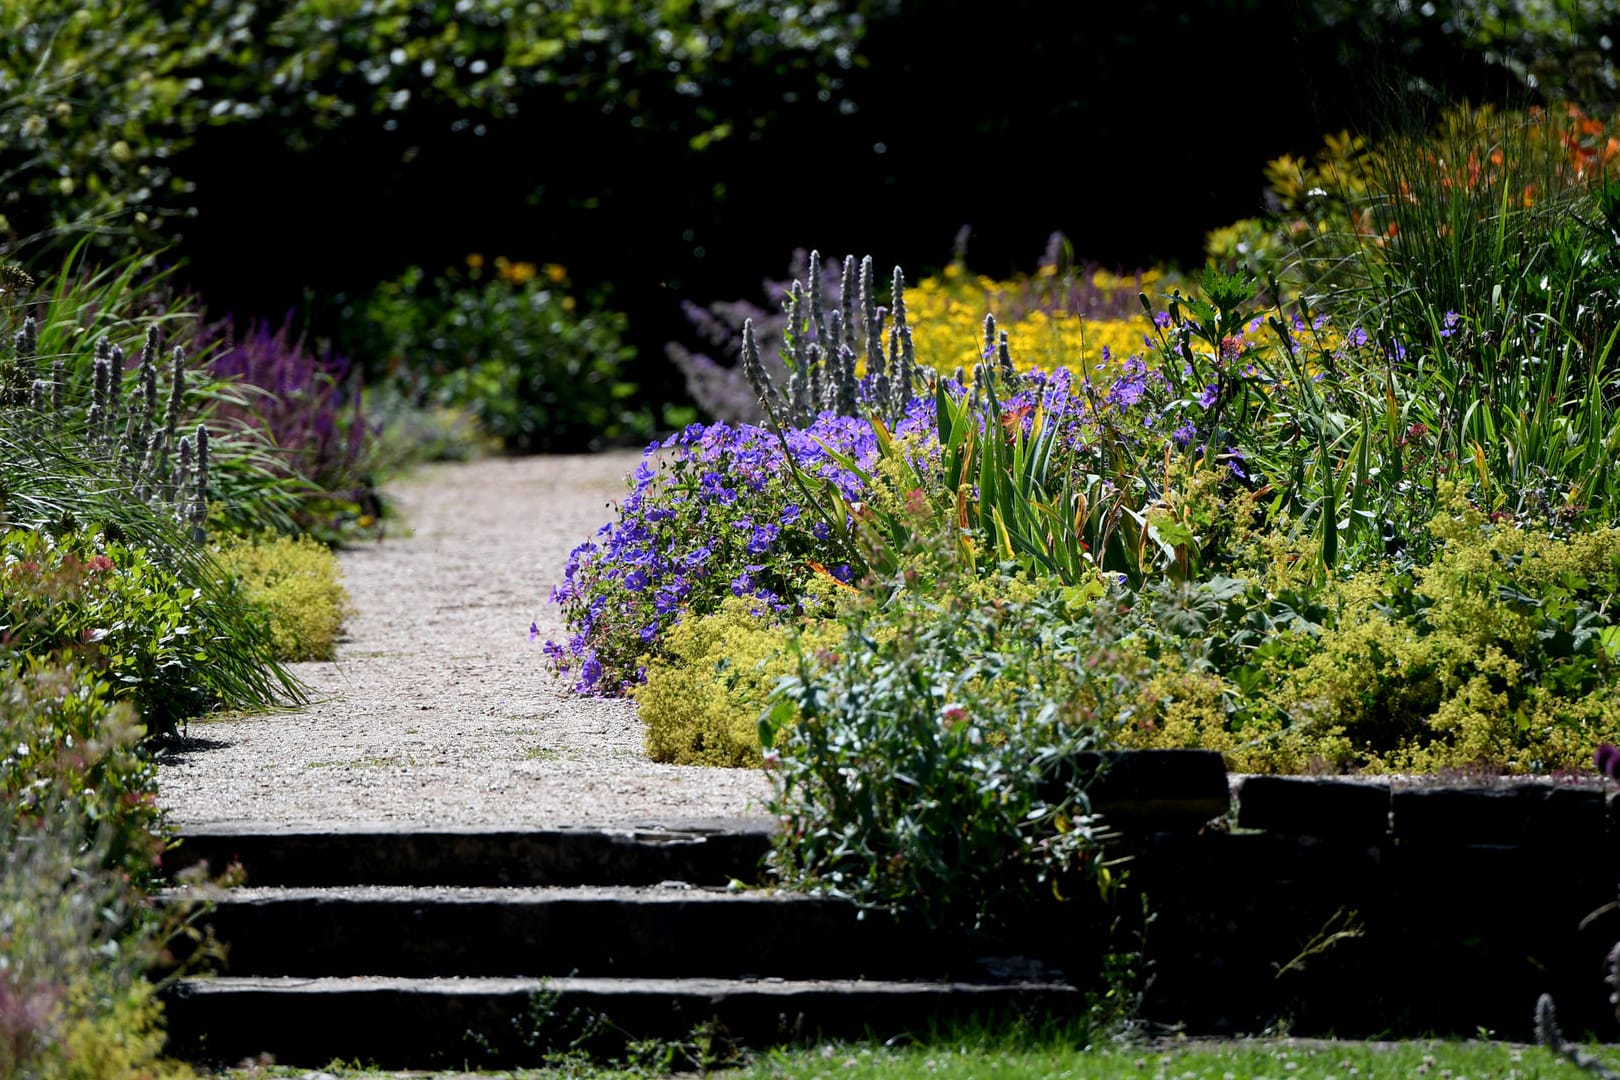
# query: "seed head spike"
{"points": [[848, 292], [813, 279]]}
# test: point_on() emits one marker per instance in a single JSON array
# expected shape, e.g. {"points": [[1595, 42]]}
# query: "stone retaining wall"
{"points": [[1358, 908]]}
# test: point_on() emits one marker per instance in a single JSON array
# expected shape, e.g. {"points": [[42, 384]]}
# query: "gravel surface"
{"points": [[439, 711]]}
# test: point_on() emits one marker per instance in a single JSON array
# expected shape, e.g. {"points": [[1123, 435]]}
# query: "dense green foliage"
{"points": [[1351, 507], [925, 761], [116, 627], [97, 101], [172, 648], [509, 344]]}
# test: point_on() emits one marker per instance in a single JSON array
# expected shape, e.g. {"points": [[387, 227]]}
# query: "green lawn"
{"points": [[1257, 1059]]}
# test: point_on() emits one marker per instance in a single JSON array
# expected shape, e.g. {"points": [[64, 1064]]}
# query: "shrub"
{"points": [[99, 102], [511, 346], [705, 692], [174, 649], [295, 582], [80, 839], [927, 760], [1503, 653]]}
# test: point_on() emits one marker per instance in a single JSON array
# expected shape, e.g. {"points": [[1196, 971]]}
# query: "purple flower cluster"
{"points": [[712, 512], [309, 405]]}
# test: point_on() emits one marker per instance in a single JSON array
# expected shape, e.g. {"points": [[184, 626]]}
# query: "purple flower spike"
{"points": [[534, 632], [1607, 760]]}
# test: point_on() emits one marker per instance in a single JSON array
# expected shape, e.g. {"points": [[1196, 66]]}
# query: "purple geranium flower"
{"points": [[764, 536]]}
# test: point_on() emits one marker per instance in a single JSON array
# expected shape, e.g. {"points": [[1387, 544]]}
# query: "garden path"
{"points": [[438, 710]]}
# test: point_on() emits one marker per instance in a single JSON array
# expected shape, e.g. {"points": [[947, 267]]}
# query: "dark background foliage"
{"points": [[317, 167]]}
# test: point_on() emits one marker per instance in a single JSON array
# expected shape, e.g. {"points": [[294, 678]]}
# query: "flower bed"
{"points": [[1348, 506]]}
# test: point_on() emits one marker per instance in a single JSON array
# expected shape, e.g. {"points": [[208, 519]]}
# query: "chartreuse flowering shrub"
{"points": [[703, 697], [296, 583], [1500, 652]]}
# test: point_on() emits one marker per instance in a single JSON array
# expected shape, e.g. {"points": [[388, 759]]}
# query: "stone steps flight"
{"points": [[453, 948], [333, 951]]}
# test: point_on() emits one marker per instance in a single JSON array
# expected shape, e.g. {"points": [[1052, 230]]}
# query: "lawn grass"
{"points": [[974, 1056]]}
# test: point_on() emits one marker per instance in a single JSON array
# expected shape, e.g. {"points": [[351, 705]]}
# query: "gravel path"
{"points": [[438, 710]]}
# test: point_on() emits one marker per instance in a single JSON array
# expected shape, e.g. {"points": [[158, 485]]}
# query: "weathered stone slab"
{"points": [[697, 852], [1155, 790], [1552, 816], [1308, 806]]}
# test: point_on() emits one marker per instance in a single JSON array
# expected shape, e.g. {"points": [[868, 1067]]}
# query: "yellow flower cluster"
{"points": [[947, 319], [520, 273]]}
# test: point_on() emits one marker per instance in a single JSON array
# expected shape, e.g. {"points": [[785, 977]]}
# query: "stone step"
{"points": [[401, 1023], [1155, 790], [658, 931], [700, 852]]}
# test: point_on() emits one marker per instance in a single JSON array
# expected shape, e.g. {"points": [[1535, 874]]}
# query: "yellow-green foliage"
{"points": [[1501, 653], [113, 1035], [701, 703], [295, 581], [1487, 671]]}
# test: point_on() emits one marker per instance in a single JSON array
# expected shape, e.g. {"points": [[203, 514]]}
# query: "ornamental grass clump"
{"points": [[1476, 261], [105, 500]]}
